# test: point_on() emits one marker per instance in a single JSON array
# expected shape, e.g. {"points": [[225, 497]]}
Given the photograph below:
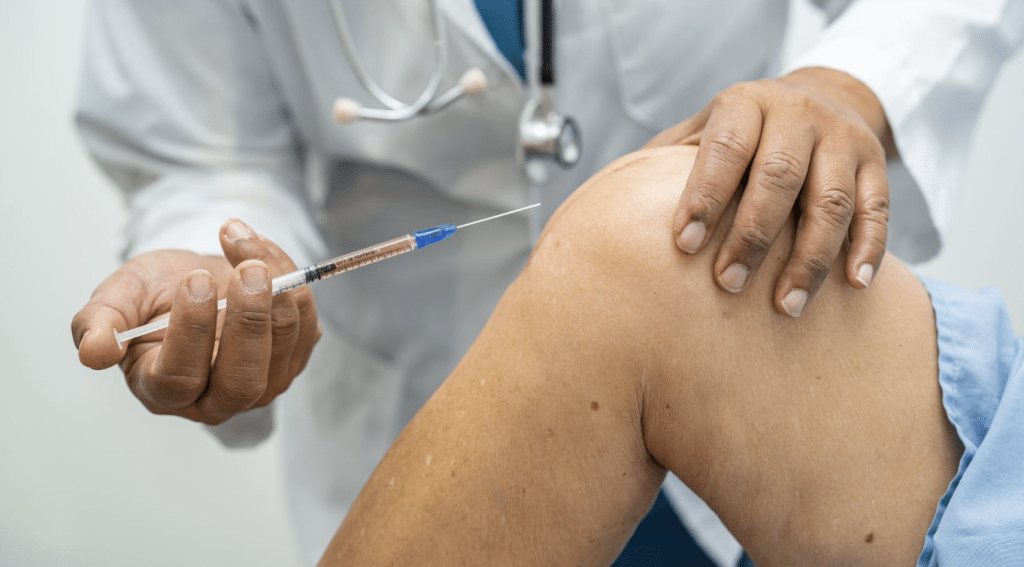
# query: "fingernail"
{"points": [[734, 277], [238, 230], [692, 237], [199, 287], [865, 273], [254, 278], [794, 302]]}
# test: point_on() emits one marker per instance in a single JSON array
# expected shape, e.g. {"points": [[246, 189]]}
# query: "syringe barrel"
{"points": [[368, 255], [357, 259]]}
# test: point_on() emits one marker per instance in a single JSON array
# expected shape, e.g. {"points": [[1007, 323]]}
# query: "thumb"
{"points": [[111, 307]]}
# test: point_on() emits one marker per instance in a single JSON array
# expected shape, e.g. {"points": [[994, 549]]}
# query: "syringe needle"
{"points": [[498, 216], [316, 272]]}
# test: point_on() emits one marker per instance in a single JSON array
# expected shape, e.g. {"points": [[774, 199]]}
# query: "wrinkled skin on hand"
{"points": [[813, 142], [205, 366]]}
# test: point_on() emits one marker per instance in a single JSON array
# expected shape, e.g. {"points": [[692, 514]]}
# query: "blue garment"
{"points": [[661, 540], [504, 19], [980, 519]]}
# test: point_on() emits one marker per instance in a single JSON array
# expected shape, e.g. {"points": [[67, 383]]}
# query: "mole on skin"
{"points": [[595, 406]]}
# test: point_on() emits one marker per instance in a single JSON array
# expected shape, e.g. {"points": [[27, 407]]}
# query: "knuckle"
{"points": [[237, 393], [755, 240], [727, 96], [803, 100], [194, 330], [730, 147], [835, 205], [745, 90], [782, 171], [252, 323], [876, 207], [706, 202], [817, 266], [175, 390], [799, 101], [285, 322]]}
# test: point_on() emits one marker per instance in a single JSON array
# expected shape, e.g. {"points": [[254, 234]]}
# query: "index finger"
{"points": [[240, 242], [726, 148]]}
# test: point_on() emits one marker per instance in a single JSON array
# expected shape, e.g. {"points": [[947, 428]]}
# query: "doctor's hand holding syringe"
{"points": [[257, 347], [262, 343]]}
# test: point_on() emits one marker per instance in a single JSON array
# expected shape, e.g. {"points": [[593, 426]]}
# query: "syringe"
{"points": [[351, 261]]}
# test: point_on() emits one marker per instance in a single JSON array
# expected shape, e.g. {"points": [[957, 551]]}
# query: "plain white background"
{"points": [[87, 476]]}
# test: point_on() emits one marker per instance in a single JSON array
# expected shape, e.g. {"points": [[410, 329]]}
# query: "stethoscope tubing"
{"points": [[547, 43], [397, 110]]}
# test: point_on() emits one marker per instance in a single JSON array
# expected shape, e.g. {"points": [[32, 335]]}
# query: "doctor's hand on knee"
{"points": [[206, 366], [814, 142]]}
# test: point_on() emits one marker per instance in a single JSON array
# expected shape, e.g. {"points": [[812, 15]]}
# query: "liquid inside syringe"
{"points": [[357, 259], [351, 261]]}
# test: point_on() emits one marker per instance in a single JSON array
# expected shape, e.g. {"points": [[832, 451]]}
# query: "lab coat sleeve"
{"points": [[178, 107], [931, 63]]}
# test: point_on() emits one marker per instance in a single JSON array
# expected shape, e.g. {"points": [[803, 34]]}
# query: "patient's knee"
{"points": [[607, 259], [613, 239]]}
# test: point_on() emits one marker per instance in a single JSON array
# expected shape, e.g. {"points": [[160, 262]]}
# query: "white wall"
{"points": [[985, 245], [87, 476], [986, 240]]}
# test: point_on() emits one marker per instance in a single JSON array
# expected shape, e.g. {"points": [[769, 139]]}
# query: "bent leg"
{"points": [[818, 440]]}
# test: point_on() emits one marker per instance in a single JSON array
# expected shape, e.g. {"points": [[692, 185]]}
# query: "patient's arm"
{"points": [[820, 440]]}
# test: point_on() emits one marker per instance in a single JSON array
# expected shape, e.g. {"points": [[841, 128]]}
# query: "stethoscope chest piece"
{"points": [[546, 136]]}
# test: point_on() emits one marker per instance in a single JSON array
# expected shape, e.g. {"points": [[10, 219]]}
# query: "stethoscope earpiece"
{"points": [[473, 81], [346, 110]]}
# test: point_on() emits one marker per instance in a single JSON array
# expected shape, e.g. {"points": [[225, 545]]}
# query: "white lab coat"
{"points": [[201, 110]]}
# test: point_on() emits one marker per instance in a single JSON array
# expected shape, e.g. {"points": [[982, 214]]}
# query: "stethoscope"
{"points": [[544, 135]]}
